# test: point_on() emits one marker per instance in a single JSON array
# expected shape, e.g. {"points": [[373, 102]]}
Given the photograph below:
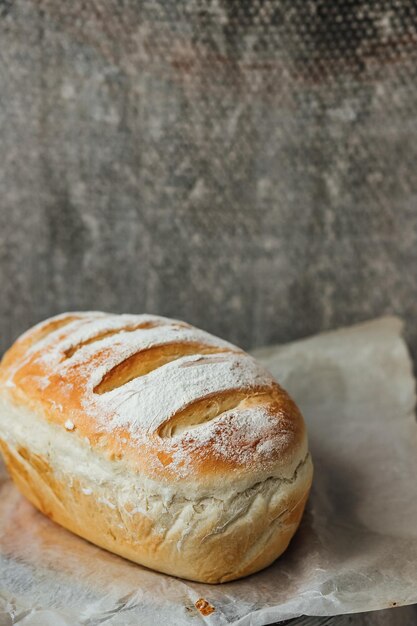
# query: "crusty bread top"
{"points": [[172, 401]]}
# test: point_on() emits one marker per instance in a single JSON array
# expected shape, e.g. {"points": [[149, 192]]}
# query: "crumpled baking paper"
{"points": [[356, 549]]}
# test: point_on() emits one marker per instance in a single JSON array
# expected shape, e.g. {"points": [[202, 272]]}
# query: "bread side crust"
{"points": [[211, 539]]}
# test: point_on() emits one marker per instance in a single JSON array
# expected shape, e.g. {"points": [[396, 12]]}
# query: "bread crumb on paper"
{"points": [[204, 607]]}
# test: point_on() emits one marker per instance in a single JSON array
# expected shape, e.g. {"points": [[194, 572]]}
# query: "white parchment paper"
{"points": [[356, 549]]}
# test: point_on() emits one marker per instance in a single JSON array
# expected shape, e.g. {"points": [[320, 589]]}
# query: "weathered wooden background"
{"points": [[247, 165]]}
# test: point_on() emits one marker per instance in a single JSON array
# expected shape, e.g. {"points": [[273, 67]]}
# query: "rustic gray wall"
{"points": [[247, 165]]}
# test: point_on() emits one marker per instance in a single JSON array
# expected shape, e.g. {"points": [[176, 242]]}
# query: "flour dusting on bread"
{"points": [[155, 440]]}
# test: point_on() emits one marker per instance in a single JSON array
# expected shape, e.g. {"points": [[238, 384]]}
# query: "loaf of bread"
{"points": [[156, 441]]}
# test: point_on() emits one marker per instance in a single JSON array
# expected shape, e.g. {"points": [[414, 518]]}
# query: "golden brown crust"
{"points": [[59, 388], [194, 459]]}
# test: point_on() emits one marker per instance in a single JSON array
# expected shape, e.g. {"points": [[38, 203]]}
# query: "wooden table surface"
{"points": [[401, 616]]}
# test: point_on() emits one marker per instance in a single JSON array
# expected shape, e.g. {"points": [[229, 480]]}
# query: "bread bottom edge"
{"points": [[239, 551]]}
